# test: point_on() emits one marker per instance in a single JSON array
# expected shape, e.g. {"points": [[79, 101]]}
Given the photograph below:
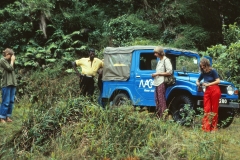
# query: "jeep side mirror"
{"points": [[153, 64], [184, 69]]}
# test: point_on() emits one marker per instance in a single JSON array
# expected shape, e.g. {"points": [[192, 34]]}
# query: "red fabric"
{"points": [[211, 104], [160, 99]]}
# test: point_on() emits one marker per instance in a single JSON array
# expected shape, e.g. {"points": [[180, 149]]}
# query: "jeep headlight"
{"points": [[230, 90]]}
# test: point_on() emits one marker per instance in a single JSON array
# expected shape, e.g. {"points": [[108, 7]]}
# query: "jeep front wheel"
{"points": [[225, 117], [182, 110], [120, 99]]}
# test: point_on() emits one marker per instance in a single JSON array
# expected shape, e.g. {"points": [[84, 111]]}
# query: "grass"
{"points": [[8, 130], [121, 134], [231, 141]]}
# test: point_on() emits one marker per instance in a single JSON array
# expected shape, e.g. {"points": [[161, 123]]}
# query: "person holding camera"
{"points": [[8, 84], [211, 97]]}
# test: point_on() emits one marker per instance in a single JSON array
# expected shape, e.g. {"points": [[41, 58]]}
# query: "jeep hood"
{"points": [[194, 79]]}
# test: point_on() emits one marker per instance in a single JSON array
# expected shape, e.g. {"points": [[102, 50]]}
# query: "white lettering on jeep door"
{"points": [[147, 85]]}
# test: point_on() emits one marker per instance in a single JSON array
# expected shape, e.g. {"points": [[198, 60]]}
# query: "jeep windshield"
{"points": [[187, 64]]}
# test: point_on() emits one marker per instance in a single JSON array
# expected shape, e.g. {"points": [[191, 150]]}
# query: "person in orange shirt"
{"points": [[89, 67]]}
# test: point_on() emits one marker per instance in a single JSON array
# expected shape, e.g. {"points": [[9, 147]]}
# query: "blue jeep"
{"points": [[127, 76]]}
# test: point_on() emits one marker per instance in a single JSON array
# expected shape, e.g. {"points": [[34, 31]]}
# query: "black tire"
{"points": [[180, 113], [225, 117], [120, 99], [105, 102]]}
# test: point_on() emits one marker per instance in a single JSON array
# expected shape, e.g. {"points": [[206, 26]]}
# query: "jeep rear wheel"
{"points": [[120, 99], [225, 117], [182, 110]]}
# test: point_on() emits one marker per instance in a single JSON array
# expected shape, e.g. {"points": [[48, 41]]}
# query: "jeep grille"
{"points": [[223, 89]]}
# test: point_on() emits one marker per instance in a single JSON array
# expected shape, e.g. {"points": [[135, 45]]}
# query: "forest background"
{"points": [[47, 35]]}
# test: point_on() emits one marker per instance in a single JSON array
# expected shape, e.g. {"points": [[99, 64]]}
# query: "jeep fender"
{"points": [[179, 90], [118, 90]]}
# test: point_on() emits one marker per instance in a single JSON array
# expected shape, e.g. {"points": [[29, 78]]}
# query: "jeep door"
{"points": [[145, 65]]}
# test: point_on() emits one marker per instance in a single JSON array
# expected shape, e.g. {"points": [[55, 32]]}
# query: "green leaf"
{"points": [[69, 71], [51, 60], [39, 55], [76, 33], [29, 54], [70, 49], [31, 63], [52, 46], [81, 48]]}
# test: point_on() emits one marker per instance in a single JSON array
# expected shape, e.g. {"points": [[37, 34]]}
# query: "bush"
{"points": [[226, 57], [128, 27]]}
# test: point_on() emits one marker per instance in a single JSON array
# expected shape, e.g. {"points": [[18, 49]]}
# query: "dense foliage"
{"points": [[43, 31], [226, 56], [58, 31]]}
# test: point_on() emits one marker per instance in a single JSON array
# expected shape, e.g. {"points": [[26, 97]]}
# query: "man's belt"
{"points": [[87, 76]]}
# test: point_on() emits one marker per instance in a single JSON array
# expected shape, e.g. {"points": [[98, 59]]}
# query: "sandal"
{"points": [[8, 119], [2, 121]]}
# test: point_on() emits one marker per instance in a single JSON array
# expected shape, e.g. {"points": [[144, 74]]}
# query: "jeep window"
{"points": [[187, 64], [147, 61], [121, 59], [117, 66]]}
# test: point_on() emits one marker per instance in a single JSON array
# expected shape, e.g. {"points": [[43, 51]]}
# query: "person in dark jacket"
{"points": [[8, 84]]}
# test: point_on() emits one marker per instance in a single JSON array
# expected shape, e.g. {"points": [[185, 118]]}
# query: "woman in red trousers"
{"points": [[211, 95]]}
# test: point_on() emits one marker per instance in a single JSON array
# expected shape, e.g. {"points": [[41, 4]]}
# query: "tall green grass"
{"points": [[78, 130]]}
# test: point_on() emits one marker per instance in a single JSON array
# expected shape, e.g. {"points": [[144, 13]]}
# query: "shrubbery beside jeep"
{"points": [[127, 76]]}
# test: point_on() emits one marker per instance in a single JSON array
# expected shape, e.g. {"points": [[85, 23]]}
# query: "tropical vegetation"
{"points": [[51, 120]]}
